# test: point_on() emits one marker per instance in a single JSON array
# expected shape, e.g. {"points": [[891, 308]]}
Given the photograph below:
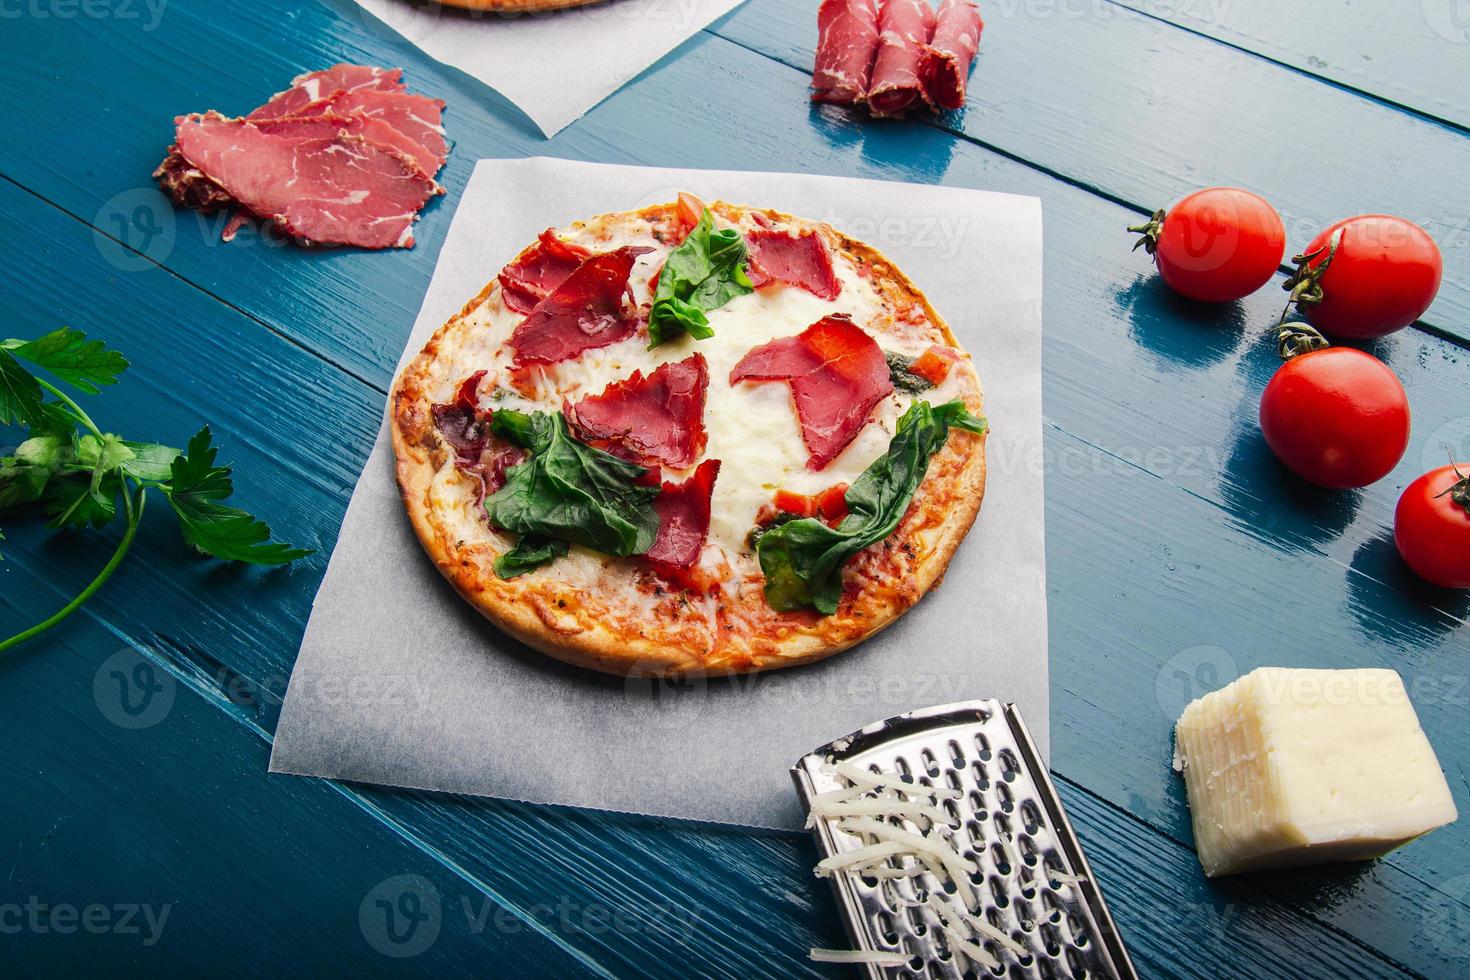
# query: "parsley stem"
{"points": [[135, 517], [82, 416]]}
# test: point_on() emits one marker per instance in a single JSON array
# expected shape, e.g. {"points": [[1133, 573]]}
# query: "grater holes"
{"points": [[956, 754], [1005, 797], [1077, 965], [1031, 817], [1009, 767], [930, 761], [887, 929]]}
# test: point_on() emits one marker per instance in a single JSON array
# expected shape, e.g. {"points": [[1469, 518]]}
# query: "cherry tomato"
{"points": [[1383, 276], [1432, 527], [1336, 417], [1216, 245]]}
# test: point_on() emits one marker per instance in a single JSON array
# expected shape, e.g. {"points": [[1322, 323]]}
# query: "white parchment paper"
{"points": [[400, 682], [554, 65]]}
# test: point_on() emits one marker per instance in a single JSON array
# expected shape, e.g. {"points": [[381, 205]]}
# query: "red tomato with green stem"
{"points": [[1432, 527], [1367, 276], [1337, 417], [1216, 245]]}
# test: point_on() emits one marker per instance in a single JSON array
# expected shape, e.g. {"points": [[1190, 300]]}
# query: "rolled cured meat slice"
{"points": [[952, 51], [847, 43], [905, 28]]}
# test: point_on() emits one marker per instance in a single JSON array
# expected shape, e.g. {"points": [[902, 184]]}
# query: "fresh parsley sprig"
{"points": [[76, 474]]}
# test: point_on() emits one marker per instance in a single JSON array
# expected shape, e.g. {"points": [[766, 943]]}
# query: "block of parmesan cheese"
{"points": [[1288, 767]]}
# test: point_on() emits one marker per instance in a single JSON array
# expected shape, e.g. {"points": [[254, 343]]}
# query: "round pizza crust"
{"points": [[613, 614]]}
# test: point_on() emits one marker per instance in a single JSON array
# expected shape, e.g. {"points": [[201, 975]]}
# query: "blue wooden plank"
{"points": [[1363, 46], [127, 794], [230, 639], [1144, 112], [1178, 364]]}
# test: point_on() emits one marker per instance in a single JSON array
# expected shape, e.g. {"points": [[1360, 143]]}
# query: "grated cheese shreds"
{"points": [[878, 807], [959, 868], [877, 957], [979, 954], [899, 820], [860, 858], [857, 775]]}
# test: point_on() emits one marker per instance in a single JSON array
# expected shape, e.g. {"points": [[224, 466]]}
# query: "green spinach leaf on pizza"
{"points": [[802, 559], [704, 273]]}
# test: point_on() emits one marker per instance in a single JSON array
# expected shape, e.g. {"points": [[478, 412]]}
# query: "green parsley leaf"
{"points": [[69, 355], [195, 491], [82, 500], [24, 476], [569, 491], [705, 272], [20, 393], [530, 553], [149, 462], [802, 559]]}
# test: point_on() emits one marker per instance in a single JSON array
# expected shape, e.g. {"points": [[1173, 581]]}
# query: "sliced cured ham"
{"points": [[317, 85], [585, 311], [952, 51], [905, 28], [658, 419], [683, 521], [417, 117], [798, 260], [339, 190], [477, 452], [838, 374], [533, 274], [847, 43], [375, 130]]}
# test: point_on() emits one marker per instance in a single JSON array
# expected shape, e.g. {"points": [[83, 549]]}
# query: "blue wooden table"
{"points": [[138, 828]]}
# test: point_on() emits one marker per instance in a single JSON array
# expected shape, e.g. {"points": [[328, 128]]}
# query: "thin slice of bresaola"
{"points": [[801, 260], [658, 419], [905, 28], [847, 43], [837, 373], [531, 276], [952, 51], [417, 117], [683, 522], [369, 128], [337, 190], [584, 312], [317, 85]]}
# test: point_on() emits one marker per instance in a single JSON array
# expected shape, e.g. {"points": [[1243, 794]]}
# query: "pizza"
{"points": [[692, 440]]}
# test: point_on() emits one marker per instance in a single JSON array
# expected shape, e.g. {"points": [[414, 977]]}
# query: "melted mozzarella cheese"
{"points": [[752, 427]]}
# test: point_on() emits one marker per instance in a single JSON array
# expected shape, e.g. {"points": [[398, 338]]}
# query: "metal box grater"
{"points": [[1012, 819]]}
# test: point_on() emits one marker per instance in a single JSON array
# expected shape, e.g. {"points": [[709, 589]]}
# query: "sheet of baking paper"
{"points": [[400, 682], [554, 64]]}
